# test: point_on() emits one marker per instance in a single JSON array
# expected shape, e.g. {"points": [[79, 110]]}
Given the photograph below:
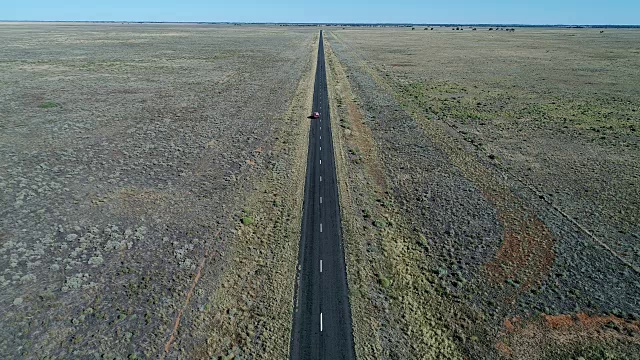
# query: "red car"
{"points": [[316, 115]]}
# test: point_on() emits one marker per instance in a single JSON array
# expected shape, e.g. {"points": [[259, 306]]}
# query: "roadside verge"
{"points": [[393, 300], [250, 313]]}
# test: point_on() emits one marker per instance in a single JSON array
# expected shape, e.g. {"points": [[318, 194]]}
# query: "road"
{"points": [[322, 317]]}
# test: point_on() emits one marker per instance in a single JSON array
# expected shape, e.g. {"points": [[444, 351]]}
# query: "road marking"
{"points": [[320, 161], [320, 322], [320, 178], [320, 148], [320, 199], [320, 227], [320, 137], [320, 265]]}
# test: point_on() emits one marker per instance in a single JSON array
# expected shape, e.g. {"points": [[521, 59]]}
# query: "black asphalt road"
{"points": [[322, 317]]}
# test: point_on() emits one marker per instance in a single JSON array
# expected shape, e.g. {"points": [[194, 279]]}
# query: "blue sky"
{"points": [[405, 11]]}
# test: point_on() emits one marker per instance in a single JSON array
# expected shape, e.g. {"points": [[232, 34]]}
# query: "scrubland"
{"points": [[490, 189], [152, 177], [134, 160]]}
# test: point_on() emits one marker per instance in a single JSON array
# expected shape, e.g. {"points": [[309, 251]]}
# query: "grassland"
{"points": [[490, 187], [131, 158]]}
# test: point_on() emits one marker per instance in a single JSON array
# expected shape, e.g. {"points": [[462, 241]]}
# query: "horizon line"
{"points": [[324, 23]]}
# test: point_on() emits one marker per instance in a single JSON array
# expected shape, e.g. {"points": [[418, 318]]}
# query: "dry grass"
{"points": [[558, 108], [394, 304], [124, 150], [513, 159], [251, 314]]}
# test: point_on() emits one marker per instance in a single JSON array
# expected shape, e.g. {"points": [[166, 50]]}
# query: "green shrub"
{"points": [[48, 105], [384, 281], [380, 224]]}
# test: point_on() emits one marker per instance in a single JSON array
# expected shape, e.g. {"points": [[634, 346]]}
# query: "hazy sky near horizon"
{"points": [[352, 11]]}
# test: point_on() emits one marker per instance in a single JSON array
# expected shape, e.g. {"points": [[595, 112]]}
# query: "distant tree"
{"points": [[490, 29], [474, 29], [601, 31], [431, 28], [413, 28]]}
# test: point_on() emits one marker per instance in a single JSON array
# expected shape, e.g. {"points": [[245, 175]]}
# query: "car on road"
{"points": [[316, 115]]}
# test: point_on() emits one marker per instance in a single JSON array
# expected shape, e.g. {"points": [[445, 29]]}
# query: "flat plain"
{"points": [[491, 178], [152, 177], [134, 162]]}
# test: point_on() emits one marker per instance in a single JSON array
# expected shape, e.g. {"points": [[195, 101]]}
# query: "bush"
{"points": [[384, 281], [247, 220], [380, 224], [48, 105]]}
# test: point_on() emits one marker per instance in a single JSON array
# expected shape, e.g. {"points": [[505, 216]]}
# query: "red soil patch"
{"points": [[563, 322], [503, 349], [526, 338], [589, 322], [527, 253], [508, 323], [558, 321]]}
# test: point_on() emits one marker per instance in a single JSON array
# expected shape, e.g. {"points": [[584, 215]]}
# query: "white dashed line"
{"points": [[320, 162], [320, 265], [321, 322], [320, 178], [320, 199], [320, 227], [320, 148]]}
